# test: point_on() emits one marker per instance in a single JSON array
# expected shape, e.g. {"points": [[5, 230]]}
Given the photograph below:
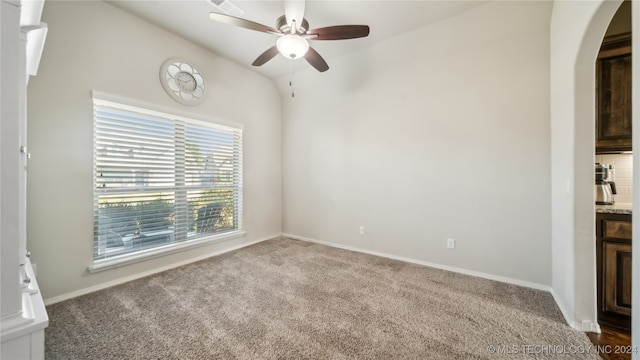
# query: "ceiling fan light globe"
{"points": [[292, 46]]}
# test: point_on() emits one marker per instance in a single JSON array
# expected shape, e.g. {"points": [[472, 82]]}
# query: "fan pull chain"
{"points": [[293, 94]]}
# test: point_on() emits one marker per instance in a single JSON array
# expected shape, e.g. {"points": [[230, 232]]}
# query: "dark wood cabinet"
{"points": [[613, 251], [613, 92]]}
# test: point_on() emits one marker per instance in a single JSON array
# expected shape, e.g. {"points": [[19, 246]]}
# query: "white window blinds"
{"points": [[161, 179]]}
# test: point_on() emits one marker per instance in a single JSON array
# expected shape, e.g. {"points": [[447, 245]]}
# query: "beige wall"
{"points": [[438, 133], [92, 45]]}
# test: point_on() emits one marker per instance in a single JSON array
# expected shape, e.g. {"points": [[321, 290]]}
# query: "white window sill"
{"points": [[117, 261]]}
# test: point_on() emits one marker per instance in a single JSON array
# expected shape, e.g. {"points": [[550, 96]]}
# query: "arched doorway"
{"points": [[577, 30]]}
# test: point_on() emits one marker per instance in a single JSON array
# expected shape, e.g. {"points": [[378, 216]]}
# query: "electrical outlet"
{"points": [[361, 229], [451, 243]]}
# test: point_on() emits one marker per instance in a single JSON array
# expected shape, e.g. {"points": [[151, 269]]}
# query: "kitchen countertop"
{"points": [[621, 208]]}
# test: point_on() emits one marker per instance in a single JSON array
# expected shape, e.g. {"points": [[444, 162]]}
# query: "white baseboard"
{"points": [[567, 317], [585, 325], [590, 326], [426, 263], [136, 276]]}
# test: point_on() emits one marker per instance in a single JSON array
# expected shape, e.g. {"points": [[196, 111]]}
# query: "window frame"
{"points": [[177, 246]]}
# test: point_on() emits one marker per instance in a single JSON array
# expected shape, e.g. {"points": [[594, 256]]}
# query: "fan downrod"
{"points": [[301, 29]]}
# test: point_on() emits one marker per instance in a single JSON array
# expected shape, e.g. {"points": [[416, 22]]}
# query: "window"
{"points": [[162, 180]]}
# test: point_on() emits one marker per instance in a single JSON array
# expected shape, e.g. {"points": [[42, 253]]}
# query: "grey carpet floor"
{"points": [[288, 299]]}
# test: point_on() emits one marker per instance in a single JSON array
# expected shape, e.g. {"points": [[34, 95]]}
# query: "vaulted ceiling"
{"points": [[190, 19]]}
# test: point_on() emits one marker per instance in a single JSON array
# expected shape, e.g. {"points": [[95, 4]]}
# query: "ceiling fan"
{"points": [[294, 34]]}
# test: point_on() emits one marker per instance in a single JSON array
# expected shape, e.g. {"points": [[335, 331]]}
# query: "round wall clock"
{"points": [[182, 81]]}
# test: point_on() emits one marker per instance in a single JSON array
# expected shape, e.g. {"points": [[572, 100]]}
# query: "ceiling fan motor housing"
{"points": [[281, 24]]}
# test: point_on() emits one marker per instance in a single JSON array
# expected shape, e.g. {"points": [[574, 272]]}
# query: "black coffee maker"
{"points": [[605, 187]]}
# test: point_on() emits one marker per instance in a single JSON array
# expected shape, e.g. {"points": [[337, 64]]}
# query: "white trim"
{"points": [[171, 112], [569, 319], [131, 258], [108, 284], [103, 106], [11, 322], [590, 326], [426, 263], [585, 325], [33, 317]]}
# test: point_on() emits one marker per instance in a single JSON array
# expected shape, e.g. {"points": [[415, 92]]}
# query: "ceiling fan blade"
{"points": [[316, 60], [266, 56], [339, 32], [294, 10], [232, 20]]}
